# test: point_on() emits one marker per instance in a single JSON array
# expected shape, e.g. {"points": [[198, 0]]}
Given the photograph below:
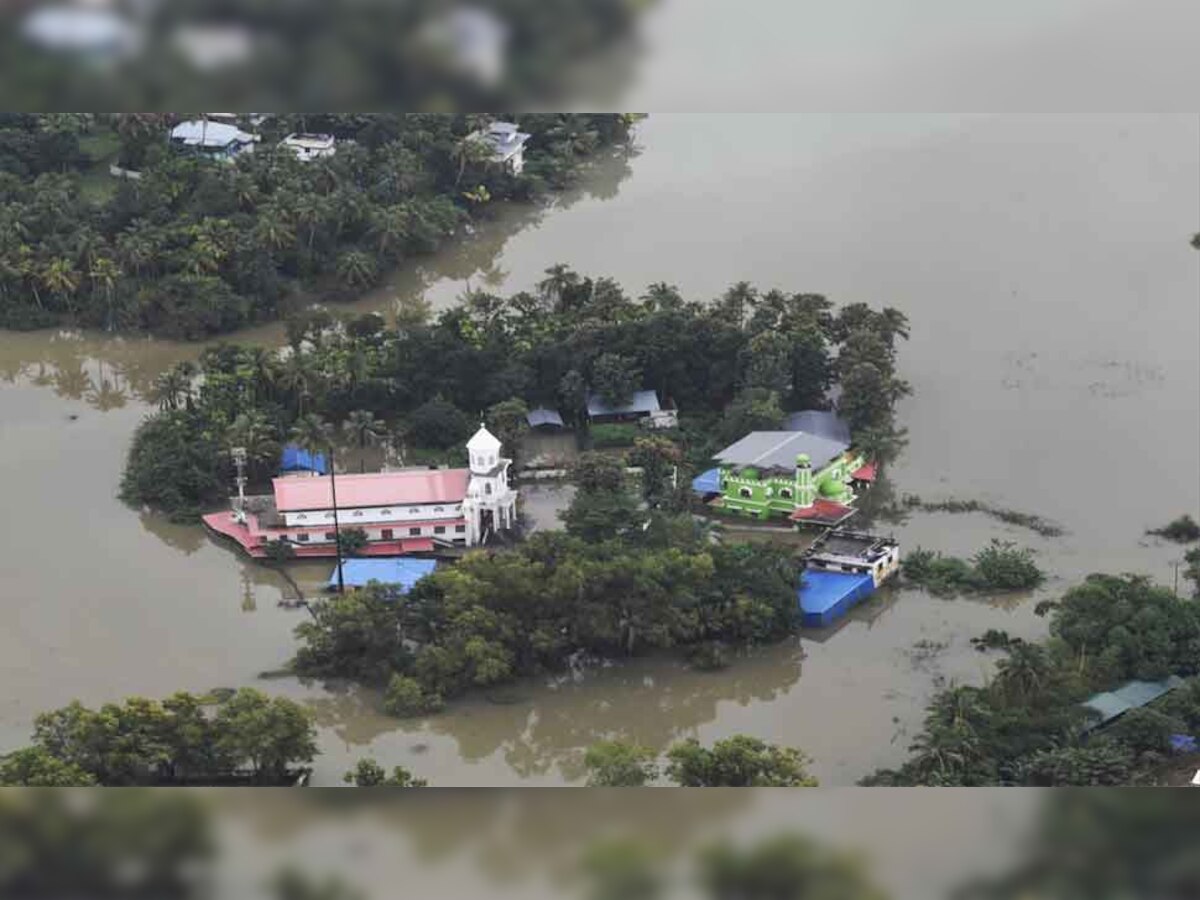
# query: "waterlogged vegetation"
{"points": [[1027, 726], [739, 761], [730, 365], [195, 247], [617, 583], [1034, 523], [243, 738], [1183, 530], [1000, 566]]}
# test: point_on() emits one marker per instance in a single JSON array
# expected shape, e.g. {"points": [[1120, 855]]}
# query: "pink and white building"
{"points": [[407, 511]]}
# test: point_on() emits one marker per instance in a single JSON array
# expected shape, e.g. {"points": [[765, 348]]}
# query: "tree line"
{"points": [[731, 366], [618, 582], [196, 247], [1027, 725]]}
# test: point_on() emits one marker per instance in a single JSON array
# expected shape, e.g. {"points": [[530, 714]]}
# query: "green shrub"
{"points": [[405, 697], [617, 434]]}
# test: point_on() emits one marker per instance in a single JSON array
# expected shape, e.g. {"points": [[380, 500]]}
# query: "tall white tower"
{"points": [[491, 504]]}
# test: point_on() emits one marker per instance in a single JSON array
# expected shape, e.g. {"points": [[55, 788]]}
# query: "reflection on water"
{"points": [[1044, 264]]}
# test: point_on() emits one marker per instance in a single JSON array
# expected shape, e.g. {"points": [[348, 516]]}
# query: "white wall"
{"points": [[373, 514]]}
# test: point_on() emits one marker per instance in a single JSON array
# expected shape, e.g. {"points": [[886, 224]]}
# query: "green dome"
{"points": [[831, 487]]}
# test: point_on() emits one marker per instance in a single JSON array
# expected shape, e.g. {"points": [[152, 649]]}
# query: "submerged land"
{"points": [[954, 450]]}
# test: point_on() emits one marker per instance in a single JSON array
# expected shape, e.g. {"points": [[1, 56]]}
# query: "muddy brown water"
{"points": [[1055, 359]]}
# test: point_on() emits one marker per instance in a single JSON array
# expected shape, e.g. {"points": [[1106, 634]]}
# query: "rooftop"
{"points": [[389, 570], [641, 402], [373, 489], [819, 422], [200, 133], [779, 449], [542, 417]]}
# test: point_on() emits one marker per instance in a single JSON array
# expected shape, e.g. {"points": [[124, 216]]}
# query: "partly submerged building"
{"points": [[507, 143], [409, 511], [842, 569], [808, 475]]}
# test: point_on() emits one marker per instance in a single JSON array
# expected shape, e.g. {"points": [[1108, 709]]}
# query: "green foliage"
{"points": [[1000, 566], [1098, 764], [405, 697], [621, 869], [1183, 530], [753, 409], [787, 867], [175, 741], [368, 773], [195, 247], [496, 616], [279, 552], [619, 764], [608, 435], [352, 541], [615, 378], [739, 761], [172, 466], [1191, 571], [438, 423]]}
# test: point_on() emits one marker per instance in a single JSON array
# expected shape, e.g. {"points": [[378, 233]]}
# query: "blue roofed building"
{"points": [[399, 572], [297, 459]]}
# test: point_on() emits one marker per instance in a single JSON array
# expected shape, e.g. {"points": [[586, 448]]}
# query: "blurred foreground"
{"points": [[829, 844]]}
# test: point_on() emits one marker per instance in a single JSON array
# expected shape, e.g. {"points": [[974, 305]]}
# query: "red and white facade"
{"points": [[401, 512]]}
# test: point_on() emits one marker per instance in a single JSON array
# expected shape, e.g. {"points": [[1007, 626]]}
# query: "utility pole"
{"points": [[239, 461], [337, 532]]}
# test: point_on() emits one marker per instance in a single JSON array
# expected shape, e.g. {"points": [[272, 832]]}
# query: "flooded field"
{"points": [[1055, 360]]}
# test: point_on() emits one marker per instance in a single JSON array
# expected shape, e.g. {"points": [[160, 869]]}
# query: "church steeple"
{"points": [[483, 449]]}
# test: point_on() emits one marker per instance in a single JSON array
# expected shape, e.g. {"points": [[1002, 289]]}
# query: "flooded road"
{"points": [[1055, 360]]}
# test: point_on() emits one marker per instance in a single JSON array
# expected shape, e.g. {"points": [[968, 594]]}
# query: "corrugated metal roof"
{"points": [[373, 489], [542, 416], [396, 571], [1130, 695], [707, 482], [209, 134], [820, 422], [297, 459], [779, 449], [641, 402]]}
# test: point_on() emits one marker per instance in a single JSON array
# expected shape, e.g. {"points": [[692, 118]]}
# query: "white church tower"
{"points": [[490, 505]]}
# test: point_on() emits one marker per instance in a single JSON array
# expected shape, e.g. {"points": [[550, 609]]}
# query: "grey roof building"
{"points": [[642, 403], [820, 422], [544, 418], [779, 449]]}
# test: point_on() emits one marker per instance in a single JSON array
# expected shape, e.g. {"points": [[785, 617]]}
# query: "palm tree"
{"points": [[255, 432], [391, 225], [470, 151], [559, 279], [58, 276], [297, 378], [273, 230], [363, 428], [356, 268], [315, 435], [104, 274], [311, 210]]}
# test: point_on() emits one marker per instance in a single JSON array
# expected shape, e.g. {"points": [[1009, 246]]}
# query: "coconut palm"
{"points": [[364, 429], [273, 230], [391, 226], [256, 433], [59, 277], [104, 274], [297, 377], [356, 268], [312, 433]]}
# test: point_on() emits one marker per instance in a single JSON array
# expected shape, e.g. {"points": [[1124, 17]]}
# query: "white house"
{"points": [[97, 34], [310, 146], [507, 143], [215, 140]]}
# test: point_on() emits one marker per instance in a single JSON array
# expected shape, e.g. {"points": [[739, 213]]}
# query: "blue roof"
{"points": [[827, 596], [398, 571], [1130, 695], [820, 422], [641, 402], [707, 482], [297, 459], [543, 416]]}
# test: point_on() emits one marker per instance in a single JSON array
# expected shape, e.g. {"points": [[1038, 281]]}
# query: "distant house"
{"points": [[641, 405], [96, 34], [471, 40], [507, 143], [547, 419], [309, 146], [214, 140]]}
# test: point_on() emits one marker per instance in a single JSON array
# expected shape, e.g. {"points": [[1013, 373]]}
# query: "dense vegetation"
{"points": [[730, 366], [196, 247], [247, 738], [1000, 566], [1183, 530], [1026, 726], [739, 761], [556, 600]]}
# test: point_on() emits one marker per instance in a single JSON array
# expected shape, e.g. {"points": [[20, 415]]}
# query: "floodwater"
{"points": [[1055, 360]]}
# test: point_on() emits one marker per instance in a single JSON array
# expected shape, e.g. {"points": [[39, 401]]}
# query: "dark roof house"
{"points": [[641, 403], [544, 418], [779, 449], [820, 422]]}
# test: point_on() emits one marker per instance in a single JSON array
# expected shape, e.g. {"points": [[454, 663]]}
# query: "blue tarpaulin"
{"points": [[1183, 743], [827, 596], [297, 459], [394, 571], [707, 482]]}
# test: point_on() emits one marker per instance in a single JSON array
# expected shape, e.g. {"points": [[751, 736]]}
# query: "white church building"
{"points": [[406, 511]]}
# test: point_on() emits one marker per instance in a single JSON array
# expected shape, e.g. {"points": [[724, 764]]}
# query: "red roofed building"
{"points": [[401, 512]]}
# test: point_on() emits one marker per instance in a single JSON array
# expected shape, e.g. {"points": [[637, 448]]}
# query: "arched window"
{"points": [[358, 512], [302, 516], [439, 509], [745, 492], [413, 509], [386, 512], [487, 488], [785, 493]]}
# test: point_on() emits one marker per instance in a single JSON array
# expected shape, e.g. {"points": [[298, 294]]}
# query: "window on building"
{"points": [[386, 512], [330, 536], [302, 537], [439, 529], [439, 509], [460, 528], [358, 513], [414, 532], [301, 517], [785, 493], [387, 534], [413, 509], [745, 492], [487, 488]]}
